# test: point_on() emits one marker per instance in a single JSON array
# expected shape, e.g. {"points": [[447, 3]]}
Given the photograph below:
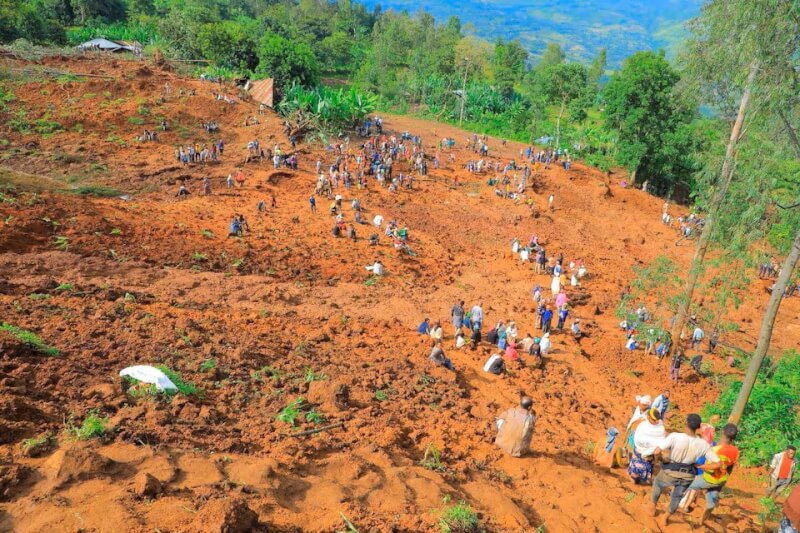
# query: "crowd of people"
{"points": [[696, 461]]}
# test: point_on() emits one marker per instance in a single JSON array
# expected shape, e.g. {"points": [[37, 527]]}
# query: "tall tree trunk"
{"points": [[774, 304], [765, 335], [726, 174], [558, 121]]}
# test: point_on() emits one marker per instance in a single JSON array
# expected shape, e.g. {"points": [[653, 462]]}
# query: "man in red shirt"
{"points": [[781, 470]]}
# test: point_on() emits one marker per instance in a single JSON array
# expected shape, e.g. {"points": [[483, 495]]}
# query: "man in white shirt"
{"points": [[377, 221], [679, 453]]}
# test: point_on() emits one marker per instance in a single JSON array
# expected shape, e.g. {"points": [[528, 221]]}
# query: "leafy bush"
{"points": [[30, 339], [771, 420], [45, 126], [461, 518]]}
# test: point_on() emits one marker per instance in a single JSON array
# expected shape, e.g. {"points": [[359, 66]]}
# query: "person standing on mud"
{"points": [[312, 202], [206, 187], [458, 316], [477, 315], [515, 428]]}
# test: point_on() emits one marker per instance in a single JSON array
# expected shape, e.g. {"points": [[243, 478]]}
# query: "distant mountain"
{"points": [[581, 27]]}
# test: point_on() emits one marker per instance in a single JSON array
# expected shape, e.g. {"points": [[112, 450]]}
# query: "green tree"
{"points": [[759, 66], [287, 62], [562, 83], [335, 52], [553, 55], [229, 44], [105, 10], [33, 23], [598, 67], [650, 118], [508, 63]]}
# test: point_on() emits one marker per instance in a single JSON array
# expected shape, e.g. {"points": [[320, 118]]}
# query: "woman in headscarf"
{"points": [[639, 414], [648, 436], [545, 344]]}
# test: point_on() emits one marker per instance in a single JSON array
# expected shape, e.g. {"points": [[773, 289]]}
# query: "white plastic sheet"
{"points": [[149, 374]]}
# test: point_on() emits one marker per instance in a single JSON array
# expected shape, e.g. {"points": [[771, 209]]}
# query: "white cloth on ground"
{"points": [[149, 374]]}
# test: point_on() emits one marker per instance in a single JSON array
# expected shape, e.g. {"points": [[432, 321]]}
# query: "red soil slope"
{"points": [[151, 286]]}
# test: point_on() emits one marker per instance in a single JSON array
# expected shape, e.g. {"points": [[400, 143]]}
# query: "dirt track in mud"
{"points": [[155, 281]]}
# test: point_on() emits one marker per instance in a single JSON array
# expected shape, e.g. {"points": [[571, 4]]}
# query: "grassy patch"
{"points": [[30, 339], [274, 373], [39, 296], [93, 426], [186, 388], [138, 121], [95, 190], [208, 365], [461, 518], [290, 413], [37, 445], [310, 375], [61, 242], [432, 459]]}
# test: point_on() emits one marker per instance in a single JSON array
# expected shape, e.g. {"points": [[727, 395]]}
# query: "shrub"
{"points": [[138, 121], [44, 126], [30, 339], [770, 421]]}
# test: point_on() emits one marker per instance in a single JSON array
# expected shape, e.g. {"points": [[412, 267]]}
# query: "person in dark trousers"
{"points": [[547, 318], [563, 313], [312, 202]]}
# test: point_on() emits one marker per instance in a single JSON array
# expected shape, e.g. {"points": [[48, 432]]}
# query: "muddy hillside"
{"points": [[307, 400]]}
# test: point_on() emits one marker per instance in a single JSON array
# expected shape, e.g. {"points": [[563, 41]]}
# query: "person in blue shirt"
{"points": [[425, 327], [235, 229], [313, 203], [547, 318], [562, 317]]}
